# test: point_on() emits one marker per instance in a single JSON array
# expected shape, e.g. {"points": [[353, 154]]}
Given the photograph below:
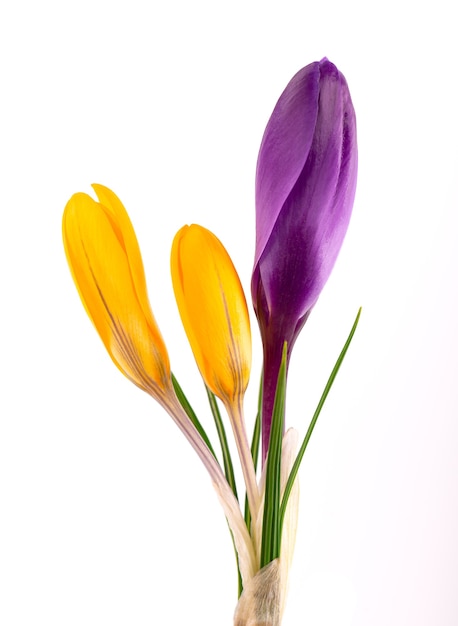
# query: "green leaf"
{"points": [[190, 413], [227, 460], [324, 395], [271, 526]]}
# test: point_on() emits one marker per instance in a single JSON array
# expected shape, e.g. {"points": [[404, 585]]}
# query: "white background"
{"points": [[106, 516]]}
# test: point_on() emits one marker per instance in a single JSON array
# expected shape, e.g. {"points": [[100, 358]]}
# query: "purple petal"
{"points": [[284, 148]]}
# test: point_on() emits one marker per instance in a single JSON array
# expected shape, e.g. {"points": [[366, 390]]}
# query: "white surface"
{"points": [[106, 515]]}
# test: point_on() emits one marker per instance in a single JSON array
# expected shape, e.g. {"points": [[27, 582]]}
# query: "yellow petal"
{"points": [[105, 261], [126, 233], [213, 310]]}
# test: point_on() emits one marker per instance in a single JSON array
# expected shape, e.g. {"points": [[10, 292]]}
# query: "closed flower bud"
{"points": [[213, 310], [105, 261], [305, 187]]}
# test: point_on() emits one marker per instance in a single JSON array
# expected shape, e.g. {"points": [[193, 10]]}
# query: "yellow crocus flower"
{"points": [[105, 261], [213, 310], [215, 317]]}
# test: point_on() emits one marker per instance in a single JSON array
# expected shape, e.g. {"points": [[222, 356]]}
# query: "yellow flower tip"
{"points": [[213, 310], [105, 261]]}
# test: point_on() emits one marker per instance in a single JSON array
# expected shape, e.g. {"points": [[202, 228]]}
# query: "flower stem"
{"points": [[273, 354], [235, 412]]}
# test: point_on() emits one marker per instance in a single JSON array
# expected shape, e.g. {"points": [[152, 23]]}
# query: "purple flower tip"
{"points": [[305, 187]]}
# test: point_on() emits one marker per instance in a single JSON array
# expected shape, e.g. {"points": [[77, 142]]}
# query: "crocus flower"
{"points": [[106, 264], [215, 317], [305, 187]]}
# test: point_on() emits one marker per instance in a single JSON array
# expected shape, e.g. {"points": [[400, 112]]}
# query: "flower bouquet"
{"points": [[305, 187]]}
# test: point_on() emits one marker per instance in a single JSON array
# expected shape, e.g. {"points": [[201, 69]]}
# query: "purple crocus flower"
{"points": [[305, 187]]}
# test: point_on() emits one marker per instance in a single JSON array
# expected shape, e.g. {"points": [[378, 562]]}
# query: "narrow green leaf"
{"points": [[324, 395], [228, 468], [227, 460], [190, 413], [270, 545], [255, 440]]}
